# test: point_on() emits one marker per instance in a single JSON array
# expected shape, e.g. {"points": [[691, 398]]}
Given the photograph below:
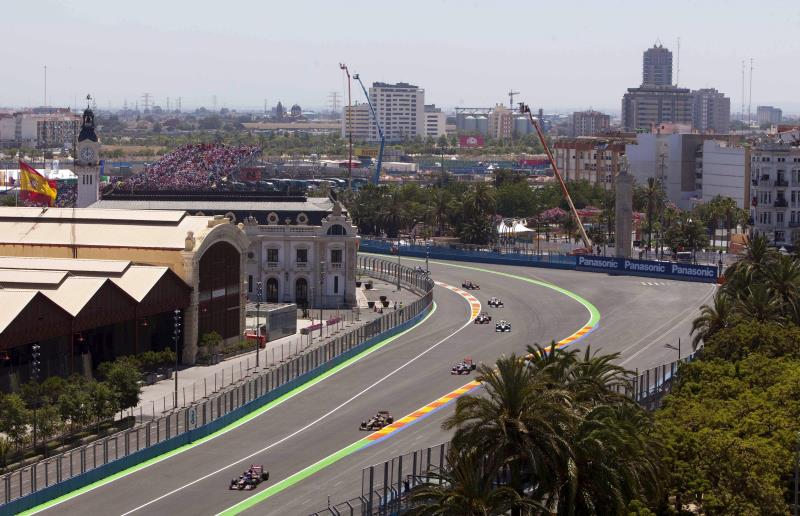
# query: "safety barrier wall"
{"points": [[590, 263], [51, 478]]}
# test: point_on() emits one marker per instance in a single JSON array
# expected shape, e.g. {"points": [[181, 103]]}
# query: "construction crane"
{"points": [[524, 109], [377, 177], [511, 94]]}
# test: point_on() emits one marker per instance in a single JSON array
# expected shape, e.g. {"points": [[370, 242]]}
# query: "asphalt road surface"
{"points": [[638, 316]]}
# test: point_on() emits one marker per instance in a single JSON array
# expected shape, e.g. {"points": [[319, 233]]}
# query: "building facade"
{"points": [[589, 123], [51, 129], [724, 170], [711, 111], [501, 123], [592, 159], [657, 66], [649, 106], [358, 120], [400, 109], [768, 115], [435, 122], [775, 202]]}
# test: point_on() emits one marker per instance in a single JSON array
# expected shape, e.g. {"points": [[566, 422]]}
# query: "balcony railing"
{"points": [[301, 266], [336, 266], [273, 265], [781, 203], [794, 224], [781, 182]]}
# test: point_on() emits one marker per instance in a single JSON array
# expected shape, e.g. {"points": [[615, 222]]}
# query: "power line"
{"points": [[333, 102]]}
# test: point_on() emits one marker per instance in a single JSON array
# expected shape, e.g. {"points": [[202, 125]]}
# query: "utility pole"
{"points": [[258, 321], [750, 95], [176, 334], [45, 85], [333, 102]]}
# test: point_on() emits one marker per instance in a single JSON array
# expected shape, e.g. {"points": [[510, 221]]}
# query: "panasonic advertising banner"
{"points": [[668, 270]]}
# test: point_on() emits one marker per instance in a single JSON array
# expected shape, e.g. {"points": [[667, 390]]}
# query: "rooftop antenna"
{"points": [[750, 94], [678, 63], [742, 111], [45, 85]]}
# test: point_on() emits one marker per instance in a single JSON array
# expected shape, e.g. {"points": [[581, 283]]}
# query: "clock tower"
{"points": [[87, 161]]}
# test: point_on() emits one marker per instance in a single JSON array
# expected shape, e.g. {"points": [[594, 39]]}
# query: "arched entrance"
{"points": [[219, 291], [301, 292], [272, 290]]}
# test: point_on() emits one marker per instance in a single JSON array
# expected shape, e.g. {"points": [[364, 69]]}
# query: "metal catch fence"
{"points": [[44, 480]]}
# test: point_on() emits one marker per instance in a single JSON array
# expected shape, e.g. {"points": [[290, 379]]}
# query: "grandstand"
{"points": [[192, 167]]}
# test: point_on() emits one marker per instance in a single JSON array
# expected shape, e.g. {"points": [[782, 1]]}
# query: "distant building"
{"points": [[592, 159], [768, 115], [280, 111], [357, 119], [501, 123], [435, 121], [56, 128], [775, 202], [656, 100], [657, 66], [711, 111], [589, 123], [296, 111], [400, 109], [724, 170]]}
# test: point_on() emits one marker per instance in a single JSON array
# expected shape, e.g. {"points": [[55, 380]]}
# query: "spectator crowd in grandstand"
{"points": [[191, 167]]}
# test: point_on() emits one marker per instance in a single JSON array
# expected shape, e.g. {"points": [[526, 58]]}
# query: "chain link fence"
{"points": [[45, 480]]}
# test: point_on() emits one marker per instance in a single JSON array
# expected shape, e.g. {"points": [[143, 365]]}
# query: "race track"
{"points": [[638, 316]]}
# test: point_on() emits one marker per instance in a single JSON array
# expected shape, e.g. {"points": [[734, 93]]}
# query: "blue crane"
{"points": [[376, 178]]}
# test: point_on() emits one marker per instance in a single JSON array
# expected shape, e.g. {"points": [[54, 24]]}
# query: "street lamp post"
{"points": [[258, 321], [427, 256], [175, 336], [321, 293], [673, 347], [35, 370], [398, 265]]}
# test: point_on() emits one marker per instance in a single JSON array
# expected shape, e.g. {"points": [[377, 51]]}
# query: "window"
{"points": [[336, 284], [336, 256], [302, 256], [250, 283], [272, 255]]}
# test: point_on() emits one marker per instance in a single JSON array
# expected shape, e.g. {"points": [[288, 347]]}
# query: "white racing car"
{"points": [[494, 302], [502, 326]]}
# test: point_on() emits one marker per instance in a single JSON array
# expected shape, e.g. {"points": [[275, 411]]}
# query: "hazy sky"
{"points": [[567, 54]]}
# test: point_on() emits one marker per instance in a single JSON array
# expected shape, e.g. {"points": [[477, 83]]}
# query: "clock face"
{"points": [[87, 154]]}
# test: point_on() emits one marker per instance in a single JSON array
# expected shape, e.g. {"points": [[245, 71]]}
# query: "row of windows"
{"points": [[273, 284], [301, 255]]}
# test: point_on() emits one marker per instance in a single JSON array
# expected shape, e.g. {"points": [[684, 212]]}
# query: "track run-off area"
{"points": [[309, 439]]}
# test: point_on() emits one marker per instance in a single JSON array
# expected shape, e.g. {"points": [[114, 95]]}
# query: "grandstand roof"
{"points": [[312, 204]]}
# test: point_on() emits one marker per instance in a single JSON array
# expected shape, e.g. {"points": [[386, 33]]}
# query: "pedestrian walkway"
{"points": [[197, 382]]}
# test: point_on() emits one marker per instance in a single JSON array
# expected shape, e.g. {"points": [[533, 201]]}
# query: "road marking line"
{"points": [[387, 431], [231, 426]]}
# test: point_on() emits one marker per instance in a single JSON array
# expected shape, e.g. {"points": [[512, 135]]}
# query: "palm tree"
{"points": [[653, 197], [783, 280], [441, 204], [712, 319], [615, 461], [757, 258], [467, 487], [522, 420], [758, 303]]}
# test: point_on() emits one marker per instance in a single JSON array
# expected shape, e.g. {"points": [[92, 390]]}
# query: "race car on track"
{"points": [[470, 286], [464, 367], [502, 326], [483, 318], [378, 421], [494, 302], [249, 479]]}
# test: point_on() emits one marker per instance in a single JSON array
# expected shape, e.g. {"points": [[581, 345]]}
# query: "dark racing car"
{"points": [[470, 286], [483, 318], [249, 479], [378, 421], [464, 367]]}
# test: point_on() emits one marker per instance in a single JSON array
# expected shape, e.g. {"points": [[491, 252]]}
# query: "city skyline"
{"points": [[460, 54]]}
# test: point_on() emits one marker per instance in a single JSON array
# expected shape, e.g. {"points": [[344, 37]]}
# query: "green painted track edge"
{"points": [[233, 425]]}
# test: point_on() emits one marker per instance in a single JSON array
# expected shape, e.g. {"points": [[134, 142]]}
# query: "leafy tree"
{"points": [[738, 341], [102, 402], [686, 233], [14, 418], [515, 199], [74, 403], [123, 377]]}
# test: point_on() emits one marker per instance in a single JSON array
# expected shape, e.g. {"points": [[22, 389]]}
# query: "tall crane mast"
{"points": [[524, 109], [377, 177], [511, 94]]}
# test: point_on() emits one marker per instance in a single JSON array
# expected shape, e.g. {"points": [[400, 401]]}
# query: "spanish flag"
{"points": [[34, 187]]}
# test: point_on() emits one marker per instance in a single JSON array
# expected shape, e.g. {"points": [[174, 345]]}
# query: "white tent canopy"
{"points": [[510, 227]]}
